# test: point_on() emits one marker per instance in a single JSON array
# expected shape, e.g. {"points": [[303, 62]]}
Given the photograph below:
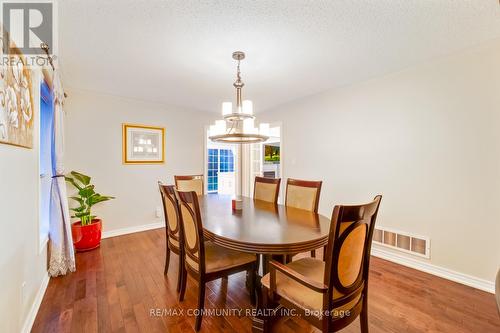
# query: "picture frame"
{"points": [[17, 111], [143, 144]]}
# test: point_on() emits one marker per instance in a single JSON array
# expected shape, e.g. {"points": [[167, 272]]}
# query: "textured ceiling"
{"points": [[179, 52]]}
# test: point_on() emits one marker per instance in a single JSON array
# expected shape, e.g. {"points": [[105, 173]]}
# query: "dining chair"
{"points": [[330, 294], [266, 189], [303, 194], [172, 228], [190, 183], [204, 260]]}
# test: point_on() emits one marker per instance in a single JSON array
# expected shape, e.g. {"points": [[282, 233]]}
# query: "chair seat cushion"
{"points": [[301, 295], [218, 258]]}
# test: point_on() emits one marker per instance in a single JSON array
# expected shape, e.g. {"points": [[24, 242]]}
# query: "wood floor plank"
{"points": [[119, 286]]}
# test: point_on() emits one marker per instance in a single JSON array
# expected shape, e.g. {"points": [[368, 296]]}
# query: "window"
{"points": [[226, 160], [45, 159], [213, 169], [219, 160]]}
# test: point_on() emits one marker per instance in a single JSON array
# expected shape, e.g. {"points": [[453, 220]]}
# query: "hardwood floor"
{"points": [[117, 286]]}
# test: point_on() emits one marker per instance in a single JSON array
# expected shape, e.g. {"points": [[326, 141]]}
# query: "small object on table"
{"points": [[237, 204]]}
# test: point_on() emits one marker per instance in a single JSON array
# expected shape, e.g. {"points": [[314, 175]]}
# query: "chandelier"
{"points": [[238, 125]]}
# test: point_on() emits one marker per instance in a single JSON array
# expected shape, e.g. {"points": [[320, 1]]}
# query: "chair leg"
{"points": [[325, 327], [183, 284], [324, 253], [180, 273], [363, 318], [313, 254], [201, 305], [167, 260]]}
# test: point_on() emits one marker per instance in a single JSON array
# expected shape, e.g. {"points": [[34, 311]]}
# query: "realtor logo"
{"points": [[27, 25]]}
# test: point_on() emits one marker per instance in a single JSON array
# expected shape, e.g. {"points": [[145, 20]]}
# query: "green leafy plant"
{"points": [[87, 197], [274, 158]]}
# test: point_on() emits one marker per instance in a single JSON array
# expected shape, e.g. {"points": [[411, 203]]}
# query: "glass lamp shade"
{"points": [[248, 125], [227, 108], [247, 107], [242, 112]]}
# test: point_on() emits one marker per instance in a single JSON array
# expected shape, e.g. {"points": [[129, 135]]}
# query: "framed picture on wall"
{"points": [[17, 118], [143, 144]]}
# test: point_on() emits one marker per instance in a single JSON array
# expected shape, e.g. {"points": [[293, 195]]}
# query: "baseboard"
{"points": [[28, 322], [131, 230], [471, 281]]}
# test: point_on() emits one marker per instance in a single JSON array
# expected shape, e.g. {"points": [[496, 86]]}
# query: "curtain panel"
{"points": [[62, 255]]}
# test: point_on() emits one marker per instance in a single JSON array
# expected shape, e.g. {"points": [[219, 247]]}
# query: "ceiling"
{"points": [[179, 52]]}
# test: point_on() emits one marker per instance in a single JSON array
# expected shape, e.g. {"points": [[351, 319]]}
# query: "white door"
{"points": [[256, 158], [221, 168]]}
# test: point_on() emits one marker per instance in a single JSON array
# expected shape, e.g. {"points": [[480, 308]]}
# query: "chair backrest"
{"points": [[190, 183], [192, 229], [303, 194], [171, 213], [348, 251], [266, 189]]}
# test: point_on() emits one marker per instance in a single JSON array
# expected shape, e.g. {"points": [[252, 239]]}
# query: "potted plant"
{"points": [[87, 231]]}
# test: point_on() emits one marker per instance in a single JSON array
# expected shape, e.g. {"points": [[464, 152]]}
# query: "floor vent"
{"points": [[403, 241]]}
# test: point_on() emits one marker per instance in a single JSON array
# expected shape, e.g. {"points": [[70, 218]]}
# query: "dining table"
{"points": [[264, 228]]}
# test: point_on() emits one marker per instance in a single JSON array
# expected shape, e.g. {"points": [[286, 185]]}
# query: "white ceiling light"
{"points": [[238, 125]]}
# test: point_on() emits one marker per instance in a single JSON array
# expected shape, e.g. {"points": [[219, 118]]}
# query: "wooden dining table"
{"points": [[262, 228]]}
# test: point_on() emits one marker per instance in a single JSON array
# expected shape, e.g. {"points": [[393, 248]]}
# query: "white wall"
{"points": [[427, 138], [94, 147], [22, 257]]}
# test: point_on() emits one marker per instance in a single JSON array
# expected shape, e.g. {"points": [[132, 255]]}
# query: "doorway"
{"points": [[265, 159], [259, 159]]}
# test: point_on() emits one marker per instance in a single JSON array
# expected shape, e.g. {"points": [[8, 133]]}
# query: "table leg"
{"points": [[262, 322], [265, 263]]}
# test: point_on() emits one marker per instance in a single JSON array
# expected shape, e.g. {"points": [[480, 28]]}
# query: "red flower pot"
{"points": [[86, 237]]}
